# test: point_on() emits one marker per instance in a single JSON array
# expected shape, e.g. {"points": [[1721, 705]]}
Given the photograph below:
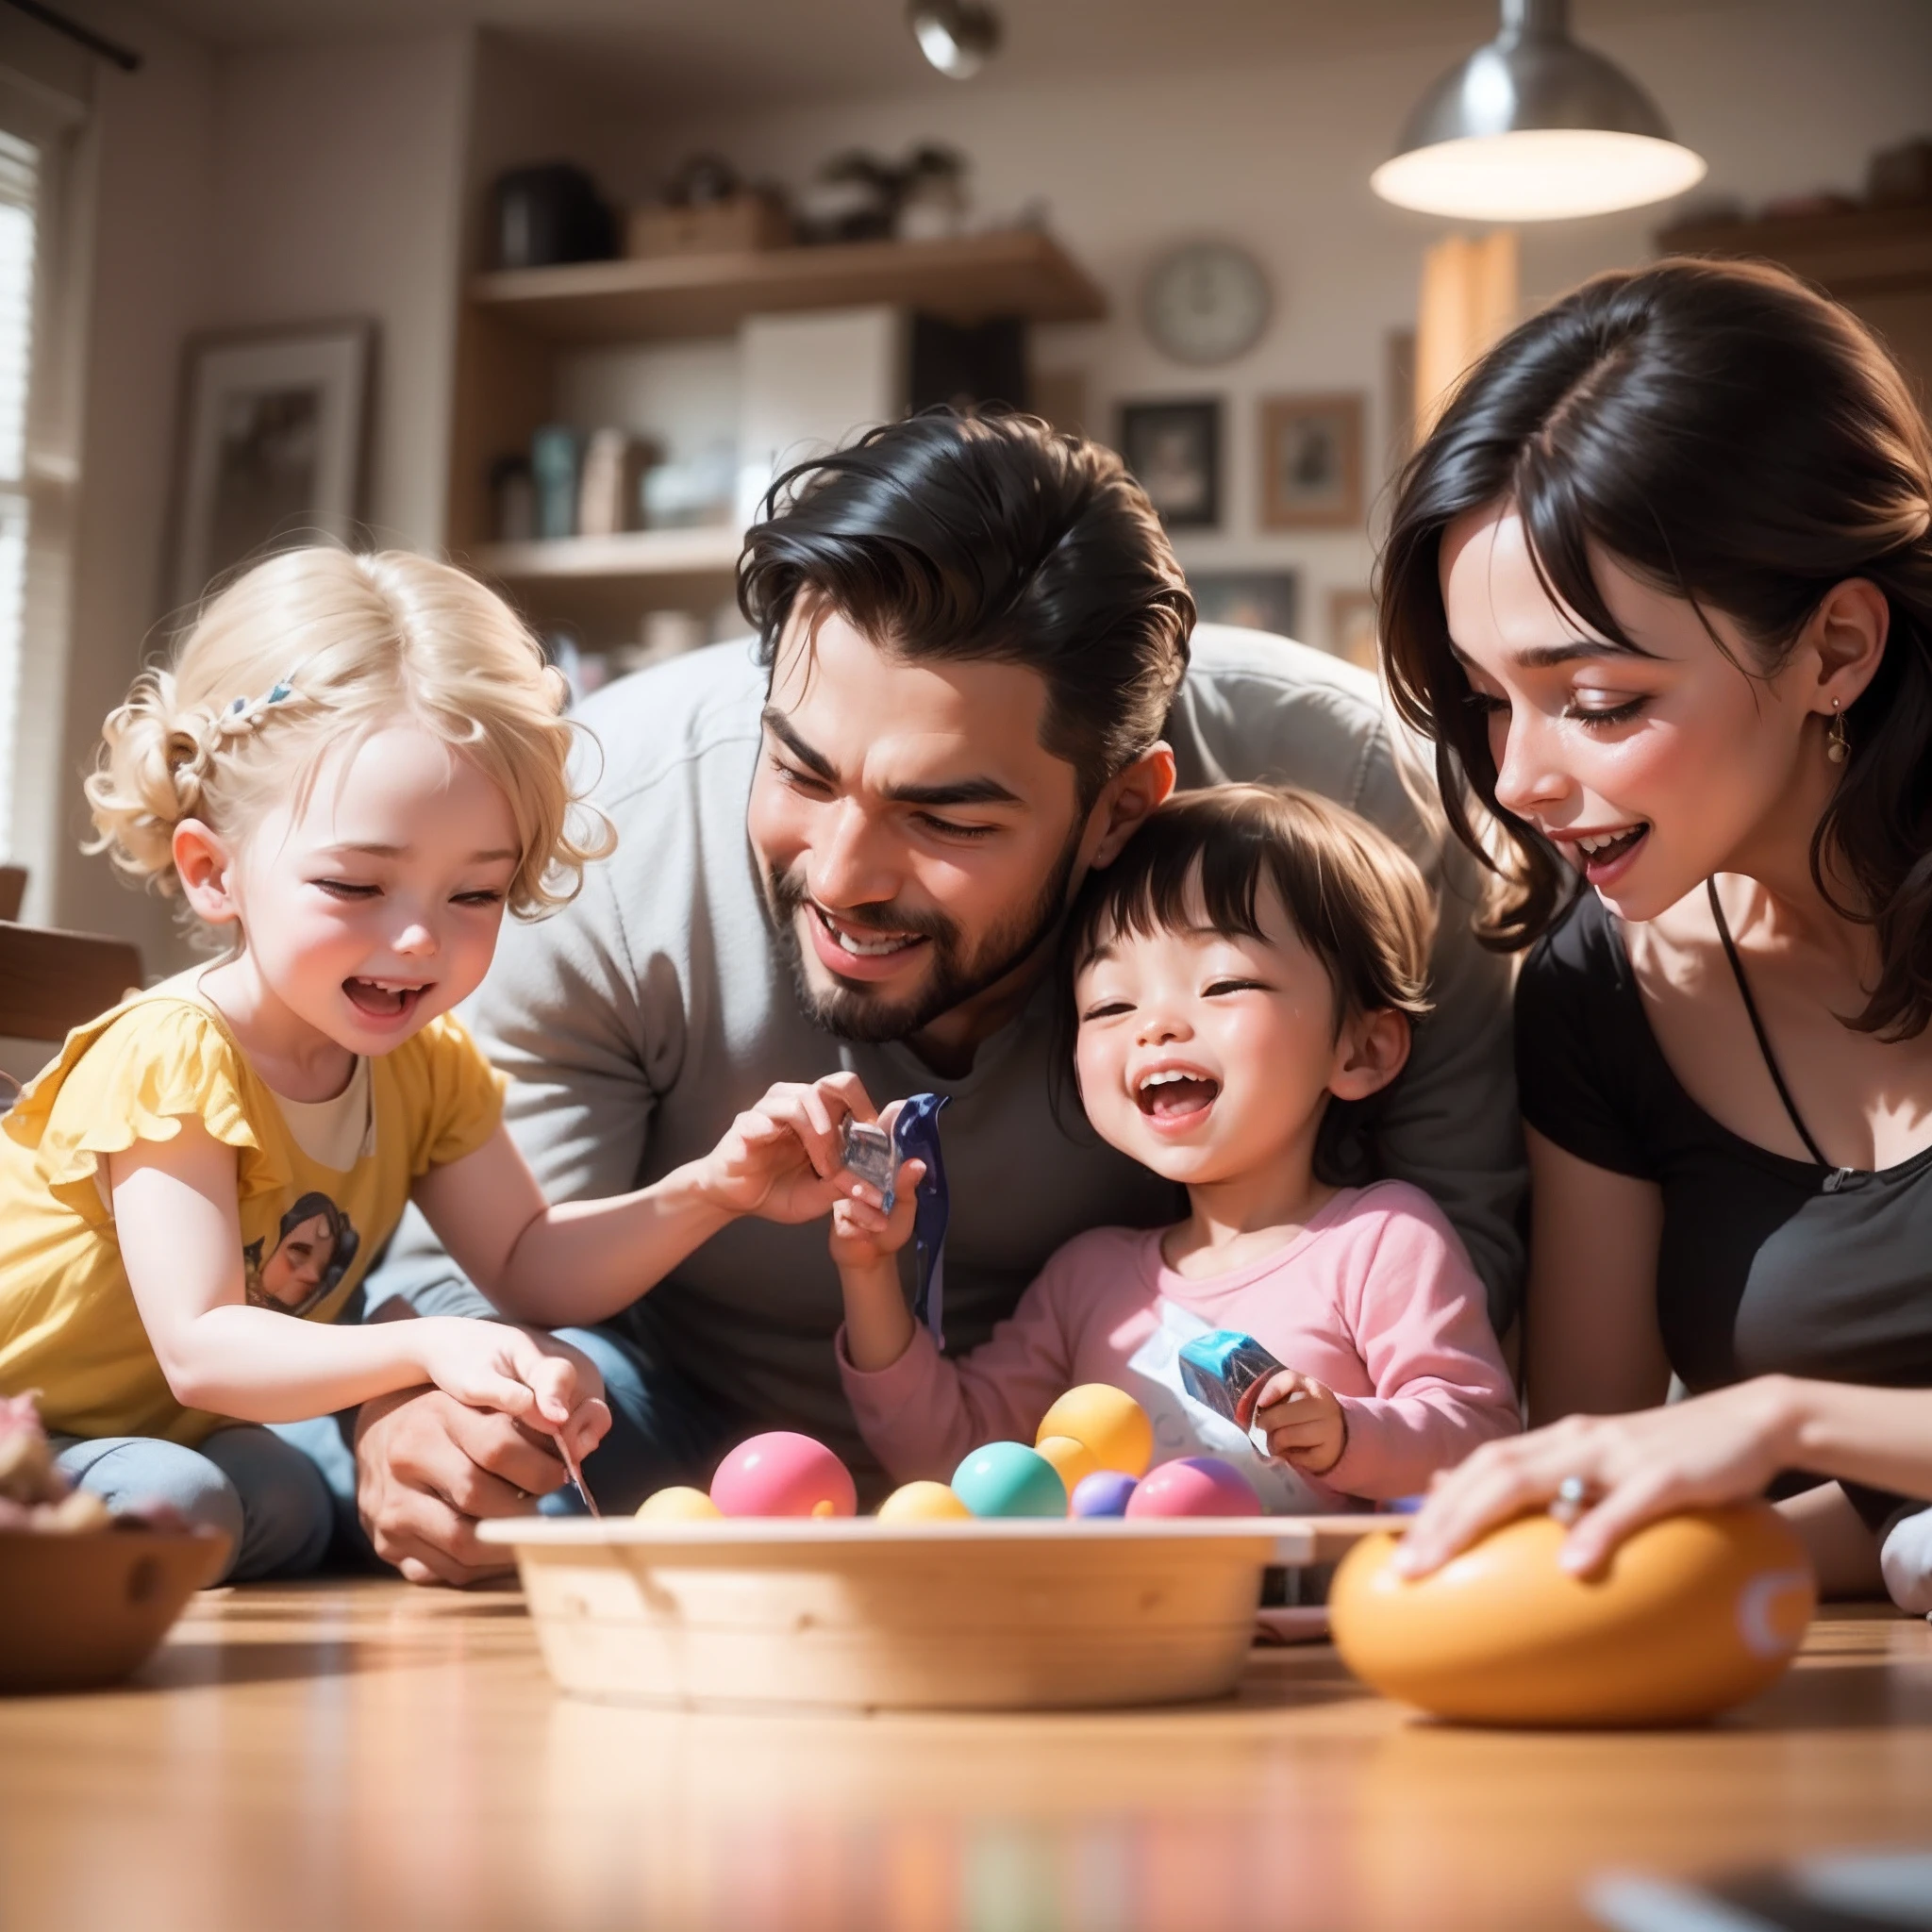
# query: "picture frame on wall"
{"points": [[1269, 600], [1311, 462], [1174, 451], [273, 446], [1352, 626]]}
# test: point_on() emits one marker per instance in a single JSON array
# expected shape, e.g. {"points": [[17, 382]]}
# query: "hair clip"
{"points": [[250, 711]]}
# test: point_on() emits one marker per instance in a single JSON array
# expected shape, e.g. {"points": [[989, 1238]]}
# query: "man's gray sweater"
{"points": [[638, 1020]]}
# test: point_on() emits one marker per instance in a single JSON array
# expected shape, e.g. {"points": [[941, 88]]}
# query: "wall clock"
{"points": [[1205, 303]]}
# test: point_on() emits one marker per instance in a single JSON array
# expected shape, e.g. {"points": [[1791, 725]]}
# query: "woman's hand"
{"points": [[1716, 1448], [491, 1365], [782, 1158]]}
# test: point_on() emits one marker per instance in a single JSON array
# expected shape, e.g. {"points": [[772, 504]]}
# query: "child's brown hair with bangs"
{"points": [[1352, 893]]}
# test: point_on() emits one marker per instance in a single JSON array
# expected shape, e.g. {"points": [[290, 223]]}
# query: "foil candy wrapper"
{"points": [[916, 1137], [868, 1155], [1221, 1370], [874, 1157]]}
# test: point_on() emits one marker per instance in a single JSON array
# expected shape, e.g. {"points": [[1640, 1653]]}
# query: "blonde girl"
{"points": [[356, 766]]}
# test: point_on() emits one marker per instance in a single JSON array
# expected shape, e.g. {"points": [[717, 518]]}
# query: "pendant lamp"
{"points": [[959, 37], [1533, 127]]}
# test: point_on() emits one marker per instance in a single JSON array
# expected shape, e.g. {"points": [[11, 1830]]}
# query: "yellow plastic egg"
{"points": [[1108, 1420], [922, 1502], [1070, 1456], [1692, 1614], [680, 1505]]}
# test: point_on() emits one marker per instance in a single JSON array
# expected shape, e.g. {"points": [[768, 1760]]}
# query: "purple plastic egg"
{"points": [[1106, 1492], [1194, 1485], [783, 1474]]}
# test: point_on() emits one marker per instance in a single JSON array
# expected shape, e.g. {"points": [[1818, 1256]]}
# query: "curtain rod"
{"points": [[122, 57]]}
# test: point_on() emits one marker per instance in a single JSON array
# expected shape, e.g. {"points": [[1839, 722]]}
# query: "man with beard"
{"points": [[851, 848]]}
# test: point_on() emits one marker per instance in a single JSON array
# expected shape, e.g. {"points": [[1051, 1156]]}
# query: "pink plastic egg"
{"points": [[1194, 1485], [783, 1474]]}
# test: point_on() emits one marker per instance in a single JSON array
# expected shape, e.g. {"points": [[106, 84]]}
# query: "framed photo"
{"points": [[1311, 462], [1173, 450], [1352, 626], [1267, 600], [273, 442]]}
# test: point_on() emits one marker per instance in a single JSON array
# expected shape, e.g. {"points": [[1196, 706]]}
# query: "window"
{"points": [[18, 187], [45, 166]]}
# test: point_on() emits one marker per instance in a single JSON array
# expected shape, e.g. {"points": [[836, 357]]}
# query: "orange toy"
{"points": [[1692, 1614]]}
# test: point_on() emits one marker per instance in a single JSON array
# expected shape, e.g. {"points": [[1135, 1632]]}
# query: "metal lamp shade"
{"points": [[958, 37], [1533, 127]]}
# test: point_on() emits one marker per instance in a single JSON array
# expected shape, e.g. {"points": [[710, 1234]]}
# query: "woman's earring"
{"points": [[1837, 747]]}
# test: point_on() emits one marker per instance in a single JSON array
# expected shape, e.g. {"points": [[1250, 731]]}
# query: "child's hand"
{"points": [[862, 1234], [780, 1159], [491, 1365], [1303, 1420]]}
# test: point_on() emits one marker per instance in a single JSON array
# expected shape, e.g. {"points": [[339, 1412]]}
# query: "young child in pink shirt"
{"points": [[1252, 958]]}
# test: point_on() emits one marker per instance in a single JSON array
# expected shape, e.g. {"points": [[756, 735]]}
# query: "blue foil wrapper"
{"points": [[1220, 1370], [868, 1154], [916, 1137]]}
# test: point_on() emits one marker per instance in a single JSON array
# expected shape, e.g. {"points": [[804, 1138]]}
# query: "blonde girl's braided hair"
{"points": [[320, 647]]}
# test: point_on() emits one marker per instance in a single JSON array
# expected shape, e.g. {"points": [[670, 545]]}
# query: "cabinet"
{"points": [[1877, 262], [517, 329]]}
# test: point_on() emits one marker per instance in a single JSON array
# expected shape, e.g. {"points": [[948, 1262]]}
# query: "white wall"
{"points": [[1779, 95], [339, 179]]}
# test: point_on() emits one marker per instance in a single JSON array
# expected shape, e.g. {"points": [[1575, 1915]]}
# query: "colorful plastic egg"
{"points": [[680, 1505], [922, 1502], [1692, 1614], [783, 1474], [1009, 1479], [1071, 1457], [1106, 1492], [1193, 1485], [1111, 1424]]}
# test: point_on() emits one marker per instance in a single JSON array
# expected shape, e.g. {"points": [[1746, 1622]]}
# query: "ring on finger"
{"points": [[1573, 1497]]}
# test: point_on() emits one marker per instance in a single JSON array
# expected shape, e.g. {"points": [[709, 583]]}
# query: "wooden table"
{"points": [[370, 1755]]}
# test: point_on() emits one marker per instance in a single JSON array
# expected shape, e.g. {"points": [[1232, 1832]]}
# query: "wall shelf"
{"points": [[636, 553], [1851, 252], [1017, 271]]}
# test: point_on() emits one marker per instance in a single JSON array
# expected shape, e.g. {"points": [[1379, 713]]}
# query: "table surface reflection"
{"points": [[368, 1755]]}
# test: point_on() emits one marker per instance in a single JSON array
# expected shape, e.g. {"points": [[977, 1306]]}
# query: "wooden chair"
{"points": [[49, 983], [12, 889]]}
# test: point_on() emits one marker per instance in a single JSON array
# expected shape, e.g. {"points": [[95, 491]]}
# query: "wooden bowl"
{"points": [[857, 1615], [85, 1609]]}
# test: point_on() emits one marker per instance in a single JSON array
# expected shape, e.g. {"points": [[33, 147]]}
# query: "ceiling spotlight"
{"points": [[959, 37], [1533, 127]]}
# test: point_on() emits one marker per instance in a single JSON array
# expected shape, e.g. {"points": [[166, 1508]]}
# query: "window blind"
{"points": [[19, 195]]}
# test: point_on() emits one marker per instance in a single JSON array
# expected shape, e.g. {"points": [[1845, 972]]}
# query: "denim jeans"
{"points": [[663, 1430], [270, 1502]]}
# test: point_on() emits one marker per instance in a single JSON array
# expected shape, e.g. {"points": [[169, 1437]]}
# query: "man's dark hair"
{"points": [[988, 537]]}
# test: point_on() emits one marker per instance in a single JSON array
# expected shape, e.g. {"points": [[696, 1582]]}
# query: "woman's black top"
{"points": [[1767, 1265]]}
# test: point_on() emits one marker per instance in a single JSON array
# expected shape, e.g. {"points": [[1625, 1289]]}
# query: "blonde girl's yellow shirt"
{"points": [[69, 1326]]}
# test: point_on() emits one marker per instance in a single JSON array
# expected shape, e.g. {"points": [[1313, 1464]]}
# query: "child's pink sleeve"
{"points": [[1421, 1326], [923, 1414]]}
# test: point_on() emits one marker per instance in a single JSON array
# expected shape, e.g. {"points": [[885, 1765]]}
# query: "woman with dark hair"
{"points": [[1660, 587]]}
